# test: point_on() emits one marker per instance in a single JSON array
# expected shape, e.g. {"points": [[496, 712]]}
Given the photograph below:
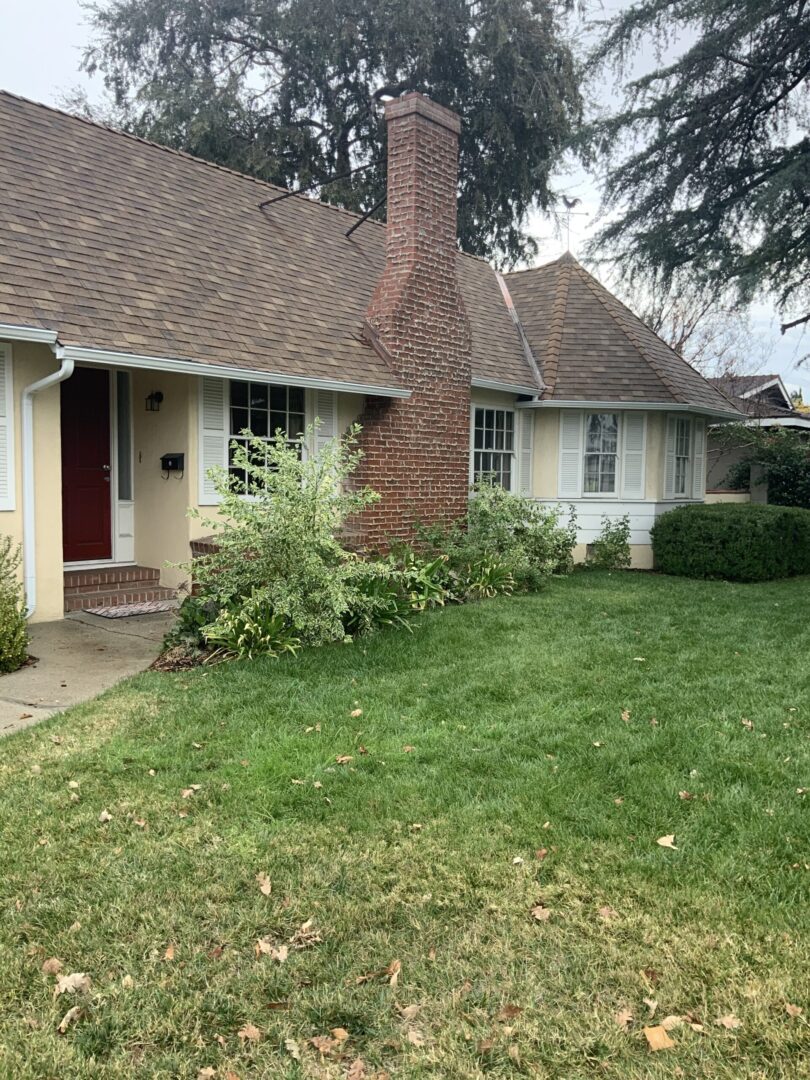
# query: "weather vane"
{"points": [[569, 211]]}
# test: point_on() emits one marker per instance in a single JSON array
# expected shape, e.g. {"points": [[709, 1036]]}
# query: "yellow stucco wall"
{"points": [[728, 496], [30, 363]]}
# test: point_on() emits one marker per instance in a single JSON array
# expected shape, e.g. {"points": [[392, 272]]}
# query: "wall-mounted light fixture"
{"points": [[153, 401]]}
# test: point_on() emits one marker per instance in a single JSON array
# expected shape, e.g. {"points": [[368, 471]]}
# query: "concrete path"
{"points": [[78, 657]]}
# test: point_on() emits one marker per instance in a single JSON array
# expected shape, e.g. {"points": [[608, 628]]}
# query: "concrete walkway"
{"points": [[78, 657]]}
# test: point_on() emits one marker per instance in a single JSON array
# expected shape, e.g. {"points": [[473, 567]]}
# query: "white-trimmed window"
{"points": [[683, 454], [263, 410], [493, 448], [601, 457]]}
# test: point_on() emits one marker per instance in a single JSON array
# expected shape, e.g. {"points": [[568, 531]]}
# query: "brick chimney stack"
{"points": [[417, 450]]}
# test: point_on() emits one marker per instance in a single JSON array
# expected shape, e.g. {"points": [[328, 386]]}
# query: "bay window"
{"points": [[601, 453]]}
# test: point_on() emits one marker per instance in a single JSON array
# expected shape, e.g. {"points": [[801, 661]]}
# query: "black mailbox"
{"points": [[173, 462]]}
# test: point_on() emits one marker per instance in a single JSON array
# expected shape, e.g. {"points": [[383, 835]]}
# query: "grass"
{"points": [[492, 732]]}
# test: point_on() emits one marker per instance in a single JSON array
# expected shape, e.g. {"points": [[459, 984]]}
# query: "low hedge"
{"points": [[737, 542]]}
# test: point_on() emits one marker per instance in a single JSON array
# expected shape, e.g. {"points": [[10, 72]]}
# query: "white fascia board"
{"points": [[27, 333], [507, 388], [777, 381], [223, 371], [780, 421], [631, 406]]}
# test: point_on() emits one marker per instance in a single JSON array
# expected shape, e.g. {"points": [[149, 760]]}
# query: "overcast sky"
{"points": [[41, 43]]}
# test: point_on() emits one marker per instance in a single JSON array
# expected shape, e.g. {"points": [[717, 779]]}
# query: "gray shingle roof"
{"points": [[591, 347]]}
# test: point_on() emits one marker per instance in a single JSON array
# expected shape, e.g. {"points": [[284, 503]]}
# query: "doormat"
{"points": [[122, 611]]}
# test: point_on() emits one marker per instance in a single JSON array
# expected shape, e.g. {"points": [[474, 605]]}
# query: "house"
{"points": [[153, 306], [764, 402]]}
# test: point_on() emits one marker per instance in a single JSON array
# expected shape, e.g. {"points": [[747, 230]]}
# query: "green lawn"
{"points": [[492, 733]]}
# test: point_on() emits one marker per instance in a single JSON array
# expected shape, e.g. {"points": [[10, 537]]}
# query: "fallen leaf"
{"points": [[667, 841], [339, 1034], [607, 913], [189, 791], [207, 1073], [293, 1049], [541, 913], [249, 1033], [344, 759], [518, 860], [619, 801], [169, 954], [792, 1010], [357, 1070], [408, 1012], [77, 983], [624, 1018], [640, 659], [541, 853], [301, 783], [415, 1038], [669, 1023], [657, 1038], [70, 1017], [265, 885], [52, 966], [362, 750], [392, 971], [355, 713], [508, 1012], [323, 1044], [105, 816], [73, 784], [305, 936], [685, 795], [266, 947], [278, 1006], [127, 982], [747, 724], [408, 749], [729, 1021], [598, 744], [626, 715], [652, 1005]]}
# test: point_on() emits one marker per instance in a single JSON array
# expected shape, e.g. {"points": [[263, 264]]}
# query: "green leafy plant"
{"points": [[13, 629], [738, 542], [488, 578], [380, 598], [782, 457], [611, 549], [277, 535], [194, 614], [251, 628]]}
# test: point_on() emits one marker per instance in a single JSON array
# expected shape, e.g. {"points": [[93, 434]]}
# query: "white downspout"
{"points": [[29, 487]]}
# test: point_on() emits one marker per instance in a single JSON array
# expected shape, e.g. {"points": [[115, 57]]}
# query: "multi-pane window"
{"points": [[683, 448], [263, 410], [601, 453], [494, 446]]}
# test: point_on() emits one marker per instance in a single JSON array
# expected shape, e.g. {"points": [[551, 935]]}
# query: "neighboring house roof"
{"points": [[764, 397], [121, 244], [591, 347]]}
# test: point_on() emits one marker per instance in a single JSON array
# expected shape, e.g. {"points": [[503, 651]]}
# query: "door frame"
{"points": [[116, 544]]}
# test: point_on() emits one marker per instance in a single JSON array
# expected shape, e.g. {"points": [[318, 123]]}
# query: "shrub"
{"points": [[611, 549], [277, 537], [512, 532], [13, 629], [193, 615], [738, 542], [782, 455], [251, 628]]}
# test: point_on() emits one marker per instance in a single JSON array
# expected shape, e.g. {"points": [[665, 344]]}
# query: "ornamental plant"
{"points": [[13, 629]]}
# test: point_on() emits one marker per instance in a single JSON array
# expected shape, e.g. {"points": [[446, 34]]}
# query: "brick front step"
{"points": [[113, 586], [82, 601]]}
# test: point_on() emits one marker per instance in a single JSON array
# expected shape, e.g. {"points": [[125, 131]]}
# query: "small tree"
{"points": [[278, 536], [782, 455]]}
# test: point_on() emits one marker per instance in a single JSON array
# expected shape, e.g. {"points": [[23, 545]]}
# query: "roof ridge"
{"points": [[597, 288], [545, 266], [185, 155], [556, 327]]}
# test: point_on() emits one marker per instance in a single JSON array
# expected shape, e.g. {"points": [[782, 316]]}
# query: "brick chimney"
{"points": [[417, 450]]}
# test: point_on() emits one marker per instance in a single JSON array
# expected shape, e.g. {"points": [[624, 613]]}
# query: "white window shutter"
{"points": [[698, 458], [669, 458], [525, 447], [6, 431], [326, 413], [569, 484], [634, 424], [214, 434]]}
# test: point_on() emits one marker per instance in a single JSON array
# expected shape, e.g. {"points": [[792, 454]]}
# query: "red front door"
{"points": [[86, 477]]}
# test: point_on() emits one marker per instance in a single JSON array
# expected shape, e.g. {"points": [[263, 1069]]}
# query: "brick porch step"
{"points": [[114, 586]]}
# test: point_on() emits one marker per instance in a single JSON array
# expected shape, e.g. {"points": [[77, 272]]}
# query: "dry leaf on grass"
{"points": [[518, 860], [415, 1038], [667, 841], [792, 1010], [355, 713], [408, 1012], [669, 1023], [685, 795], [344, 759], [541, 853], [508, 1012], [127, 982], [729, 1021], [293, 1049], [249, 1033], [77, 983], [70, 1017], [626, 715], [324, 1044], [265, 885], [208, 1073], [104, 817], [305, 936], [169, 954], [607, 913], [52, 966], [657, 1038], [357, 1070], [652, 1005], [540, 913], [747, 724], [266, 947], [408, 749], [624, 1018], [339, 1034]]}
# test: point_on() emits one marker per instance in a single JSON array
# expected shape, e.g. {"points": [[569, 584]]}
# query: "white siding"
{"points": [[7, 501]]}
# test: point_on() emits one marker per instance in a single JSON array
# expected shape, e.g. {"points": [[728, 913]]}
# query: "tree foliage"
{"points": [[291, 92], [780, 455], [707, 163]]}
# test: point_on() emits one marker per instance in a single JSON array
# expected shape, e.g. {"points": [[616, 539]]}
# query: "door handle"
{"points": [[106, 468]]}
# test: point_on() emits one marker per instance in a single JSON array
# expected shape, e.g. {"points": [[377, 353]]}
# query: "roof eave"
{"points": [[646, 406]]}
